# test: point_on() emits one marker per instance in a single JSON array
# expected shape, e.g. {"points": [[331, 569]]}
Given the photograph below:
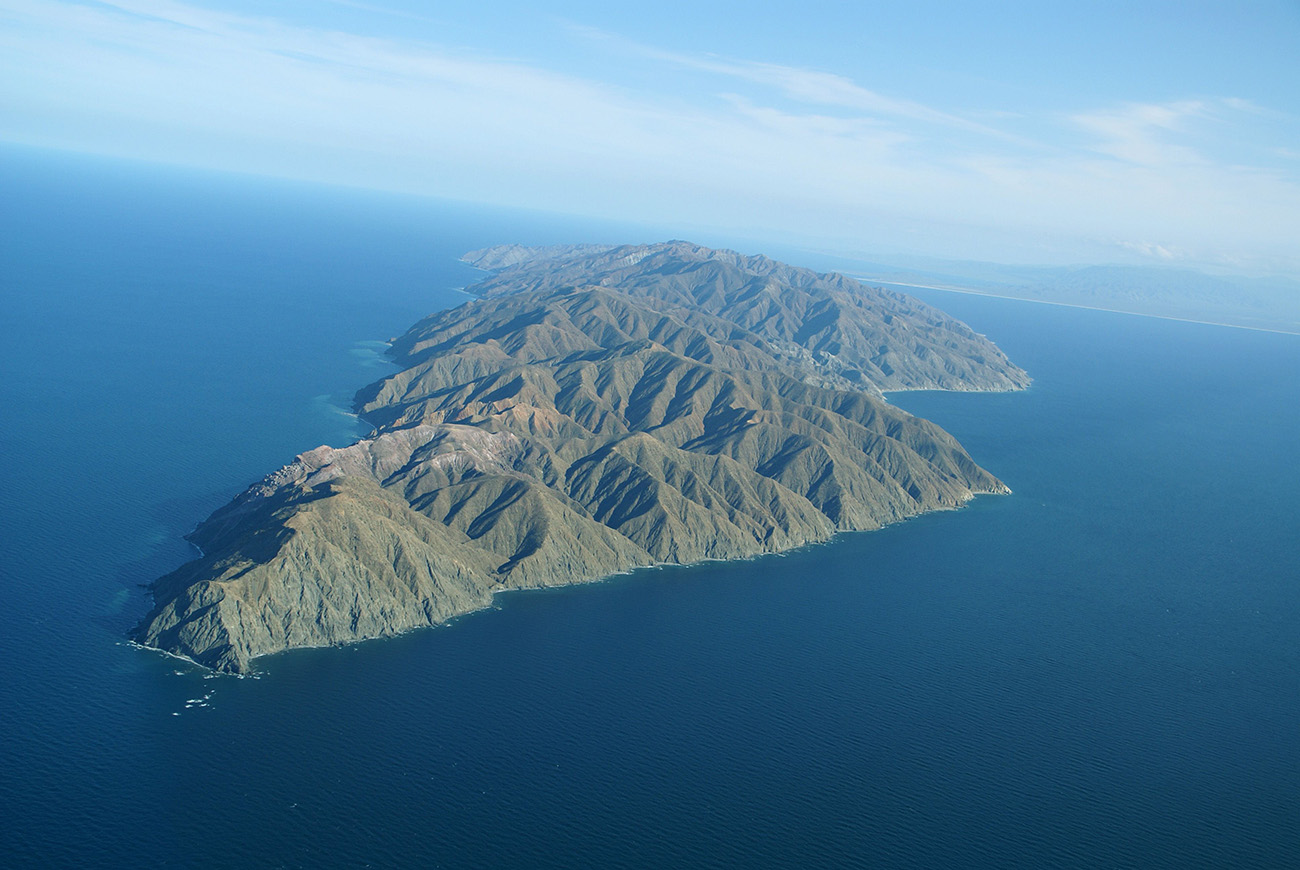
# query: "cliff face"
{"points": [[598, 409]]}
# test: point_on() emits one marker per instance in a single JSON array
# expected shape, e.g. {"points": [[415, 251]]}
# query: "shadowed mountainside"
{"points": [[598, 409]]}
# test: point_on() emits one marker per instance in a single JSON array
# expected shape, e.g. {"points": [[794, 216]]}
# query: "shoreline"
{"points": [[492, 603], [393, 595]]}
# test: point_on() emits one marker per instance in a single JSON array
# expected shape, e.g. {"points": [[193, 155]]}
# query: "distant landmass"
{"points": [[1271, 303], [598, 408]]}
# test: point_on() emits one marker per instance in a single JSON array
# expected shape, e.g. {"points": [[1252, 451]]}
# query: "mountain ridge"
{"points": [[596, 409]]}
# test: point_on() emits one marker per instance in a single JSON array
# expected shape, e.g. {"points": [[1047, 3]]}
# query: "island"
{"points": [[595, 409]]}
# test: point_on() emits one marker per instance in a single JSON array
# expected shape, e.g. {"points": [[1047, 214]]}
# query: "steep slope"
{"points": [[600, 410], [876, 338]]}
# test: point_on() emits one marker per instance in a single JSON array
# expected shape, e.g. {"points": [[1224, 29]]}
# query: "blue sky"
{"points": [[1020, 132]]}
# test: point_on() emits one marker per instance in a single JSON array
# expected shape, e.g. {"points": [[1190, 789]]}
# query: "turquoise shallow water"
{"points": [[1099, 670]]}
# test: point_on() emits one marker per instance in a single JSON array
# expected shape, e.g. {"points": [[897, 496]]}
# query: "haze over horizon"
{"points": [[1153, 134]]}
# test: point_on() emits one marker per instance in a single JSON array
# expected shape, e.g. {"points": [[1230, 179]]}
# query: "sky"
{"points": [[1043, 132]]}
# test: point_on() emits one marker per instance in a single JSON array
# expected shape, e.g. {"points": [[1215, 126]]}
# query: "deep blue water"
{"points": [[1102, 670]]}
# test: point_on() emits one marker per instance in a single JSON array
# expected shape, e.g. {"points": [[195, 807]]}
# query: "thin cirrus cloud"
{"points": [[815, 87], [1141, 134], [800, 154]]}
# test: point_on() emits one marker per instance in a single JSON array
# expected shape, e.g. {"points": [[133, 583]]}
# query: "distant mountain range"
{"points": [[598, 408]]}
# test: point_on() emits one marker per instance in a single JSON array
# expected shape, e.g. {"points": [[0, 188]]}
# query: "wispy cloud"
{"points": [[1139, 133], [1153, 250], [803, 85], [748, 145]]}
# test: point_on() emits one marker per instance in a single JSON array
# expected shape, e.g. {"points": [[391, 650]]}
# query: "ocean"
{"points": [[1100, 670]]}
